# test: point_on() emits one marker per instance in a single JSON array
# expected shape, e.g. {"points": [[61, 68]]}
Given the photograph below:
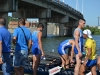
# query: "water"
{"points": [[51, 44]]}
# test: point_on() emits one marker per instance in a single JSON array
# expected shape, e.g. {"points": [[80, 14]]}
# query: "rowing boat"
{"points": [[43, 68]]}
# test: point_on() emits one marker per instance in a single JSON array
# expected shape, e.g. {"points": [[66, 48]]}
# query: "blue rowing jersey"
{"points": [[35, 38], [65, 44], [35, 47]]}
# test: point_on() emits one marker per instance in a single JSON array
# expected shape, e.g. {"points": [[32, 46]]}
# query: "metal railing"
{"points": [[66, 6]]}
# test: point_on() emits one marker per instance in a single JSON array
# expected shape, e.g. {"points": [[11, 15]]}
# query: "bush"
{"points": [[94, 30]]}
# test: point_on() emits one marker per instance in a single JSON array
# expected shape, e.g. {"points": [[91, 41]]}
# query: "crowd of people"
{"points": [[76, 46], [24, 40]]}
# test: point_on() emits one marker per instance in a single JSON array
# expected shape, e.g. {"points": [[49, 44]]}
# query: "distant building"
{"points": [[98, 27], [93, 26], [14, 24]]}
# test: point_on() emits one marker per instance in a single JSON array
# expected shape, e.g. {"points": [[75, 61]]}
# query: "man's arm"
{"points": [[0, 49], [29, 42], [29, 45], [14, 37], [72, 52], [87, 56], [1, 52], [14, 40], [40, 42]]}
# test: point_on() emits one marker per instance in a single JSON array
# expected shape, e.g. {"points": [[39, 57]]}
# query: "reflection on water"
{"points": [[97, 39], [51, 44]]}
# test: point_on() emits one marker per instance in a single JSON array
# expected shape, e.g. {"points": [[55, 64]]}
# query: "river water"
{"points": [[51, 43]]}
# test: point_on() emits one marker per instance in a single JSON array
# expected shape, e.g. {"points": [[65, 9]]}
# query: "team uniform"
{"points": [[80, 41], [35, 46], [63, 46], [90, 43]]}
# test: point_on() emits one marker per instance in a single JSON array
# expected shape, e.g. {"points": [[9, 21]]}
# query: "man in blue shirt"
{"points": [[22, 40], [5, 46]]}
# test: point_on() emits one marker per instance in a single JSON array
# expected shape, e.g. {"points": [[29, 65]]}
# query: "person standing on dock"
{"points": [[37, 49], [64, 54], [5, 46], [22, 40], [78, 37], [90, 60], [98, 63]]}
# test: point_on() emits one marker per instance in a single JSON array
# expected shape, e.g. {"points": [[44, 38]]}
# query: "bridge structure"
{"points": [[47, 11]]}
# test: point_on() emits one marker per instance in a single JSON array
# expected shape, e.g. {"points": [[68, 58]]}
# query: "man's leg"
{"points": [[63, 61], [16, 63], [66, 59], [82, 69], [6, 69], [6, 64], [77, 66], [21, 70], [93, 70], [98, 63], [36, 62], [24, 58], [17, 70]]}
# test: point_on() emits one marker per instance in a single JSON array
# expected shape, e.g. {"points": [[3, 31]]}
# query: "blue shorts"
{"points": [[62, 51], [36, 50], [76, 51], [20, 58], [91, 63]]}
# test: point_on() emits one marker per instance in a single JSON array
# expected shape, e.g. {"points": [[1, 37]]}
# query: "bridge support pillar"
{"points": [[44, 22], [61, 29], [74, 26], [71, 28], [5, 16], [67, 29]]}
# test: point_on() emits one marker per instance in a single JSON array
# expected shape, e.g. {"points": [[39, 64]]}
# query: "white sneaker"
{"points": [[89, 73]]}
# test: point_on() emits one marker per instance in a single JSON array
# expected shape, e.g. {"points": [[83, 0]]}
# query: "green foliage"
{"points": [[94, 30], [12, 19]]}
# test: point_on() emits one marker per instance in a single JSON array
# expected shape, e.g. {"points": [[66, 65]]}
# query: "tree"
{"points": [[94, 30]]}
